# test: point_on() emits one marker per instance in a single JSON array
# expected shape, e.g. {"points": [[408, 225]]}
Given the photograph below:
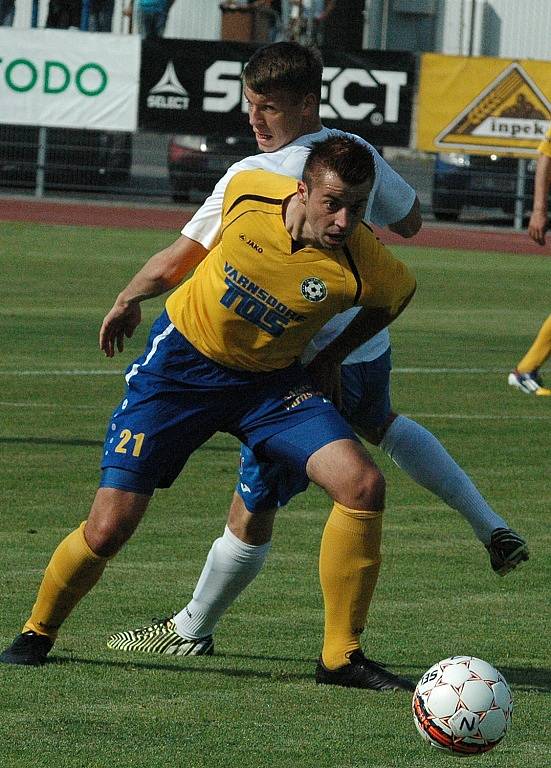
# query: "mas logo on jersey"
{"points": [[313, 289]]}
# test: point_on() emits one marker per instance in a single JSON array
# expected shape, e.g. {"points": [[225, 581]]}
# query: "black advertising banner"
{"points": [[192, 86]]}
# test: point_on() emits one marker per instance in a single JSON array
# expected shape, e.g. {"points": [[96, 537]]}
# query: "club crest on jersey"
{"points": [[313, 289]]}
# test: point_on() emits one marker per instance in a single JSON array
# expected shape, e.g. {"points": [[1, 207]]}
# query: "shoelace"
{"points": [[156, 623]]}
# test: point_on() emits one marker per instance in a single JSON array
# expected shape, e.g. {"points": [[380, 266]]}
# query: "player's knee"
{"points": [[113, 519], [370, 491], [237, 508], [363, 490], [105, 538], [251, 528]]}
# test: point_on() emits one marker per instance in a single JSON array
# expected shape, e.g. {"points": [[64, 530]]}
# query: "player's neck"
{"points": [[311, 126], [294, 216], [307, 127]]}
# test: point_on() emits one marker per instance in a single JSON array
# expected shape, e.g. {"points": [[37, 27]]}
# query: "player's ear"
{"points": [[310, 105], [302, 191]]}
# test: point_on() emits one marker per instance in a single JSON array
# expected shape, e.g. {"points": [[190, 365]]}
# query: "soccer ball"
{"points": [[462, 705]]}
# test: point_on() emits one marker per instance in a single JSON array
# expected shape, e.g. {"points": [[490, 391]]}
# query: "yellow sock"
{"points": [[539, 351], [349, 563], [71, 573]]}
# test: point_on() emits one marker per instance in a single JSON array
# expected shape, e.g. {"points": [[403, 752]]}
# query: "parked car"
{"points": [[462, 180], [74, 159], [195, 163]]}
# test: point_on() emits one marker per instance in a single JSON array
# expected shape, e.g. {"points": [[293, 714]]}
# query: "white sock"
{"points": [[419, 453], [230, 566]]}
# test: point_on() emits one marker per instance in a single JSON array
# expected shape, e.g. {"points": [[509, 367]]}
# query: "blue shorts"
{"points": [[365, 405], [176, 399]]}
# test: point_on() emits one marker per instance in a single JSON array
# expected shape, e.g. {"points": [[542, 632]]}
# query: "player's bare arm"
{"points": [[537, 226], [325, 368], [164, 271], [411, 223]]}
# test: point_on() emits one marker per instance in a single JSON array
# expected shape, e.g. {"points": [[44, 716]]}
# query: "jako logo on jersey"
{"points": [[168, 93], [255, 304], [313, 289], [251, 243]]}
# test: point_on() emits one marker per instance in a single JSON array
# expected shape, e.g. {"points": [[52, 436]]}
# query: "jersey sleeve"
{"points": [[391, 198], [544, 147], [204, 226]]}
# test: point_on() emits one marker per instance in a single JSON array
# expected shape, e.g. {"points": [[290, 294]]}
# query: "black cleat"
{"points": [[29, 649], [362, 673], [507, 550]]}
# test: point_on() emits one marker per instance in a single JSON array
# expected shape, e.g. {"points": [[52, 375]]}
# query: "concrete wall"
{"points": [[504, 28], [192, 19]]}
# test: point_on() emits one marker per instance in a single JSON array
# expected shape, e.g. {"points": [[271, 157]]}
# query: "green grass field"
{"points": [[254, 704]]}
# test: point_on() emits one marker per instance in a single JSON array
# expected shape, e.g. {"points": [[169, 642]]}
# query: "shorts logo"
{"points": [[297, 396], [313, 289]]}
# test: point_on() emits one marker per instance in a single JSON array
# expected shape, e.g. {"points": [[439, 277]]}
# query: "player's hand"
{"points": [[537, 227], [122, 320], [326, 374]]}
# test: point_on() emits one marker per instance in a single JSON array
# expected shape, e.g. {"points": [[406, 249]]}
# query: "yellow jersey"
{"points": [[544, 147], [257, 298]]}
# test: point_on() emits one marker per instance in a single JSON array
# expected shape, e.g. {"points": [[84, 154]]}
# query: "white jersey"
{"points": [[389, 201]]}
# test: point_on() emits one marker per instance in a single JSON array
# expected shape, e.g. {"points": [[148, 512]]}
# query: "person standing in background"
{"points": [[323, 9], [308, 19], [7, 12], [151, 17], [537, 226], [63, 14], [101, 15], [526, 376]]}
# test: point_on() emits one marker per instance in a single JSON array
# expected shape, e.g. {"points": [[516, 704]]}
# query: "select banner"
{"points": [[69, 79], [189, 86], [482, 105]]}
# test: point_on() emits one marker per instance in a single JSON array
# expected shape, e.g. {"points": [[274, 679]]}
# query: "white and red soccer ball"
{"points": [[462, 705]]}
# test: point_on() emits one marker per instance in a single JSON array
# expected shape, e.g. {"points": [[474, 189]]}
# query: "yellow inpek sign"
{"points": [[482, 105]]}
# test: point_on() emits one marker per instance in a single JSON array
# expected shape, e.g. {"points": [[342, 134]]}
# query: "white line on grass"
{"points": [[451, 370], [49, 406], [77, 372], [452, 416], [481, 416], [45, 372], [465, 416]]}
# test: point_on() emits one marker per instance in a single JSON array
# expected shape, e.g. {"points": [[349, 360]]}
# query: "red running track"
{"points": [[173, 219]]}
